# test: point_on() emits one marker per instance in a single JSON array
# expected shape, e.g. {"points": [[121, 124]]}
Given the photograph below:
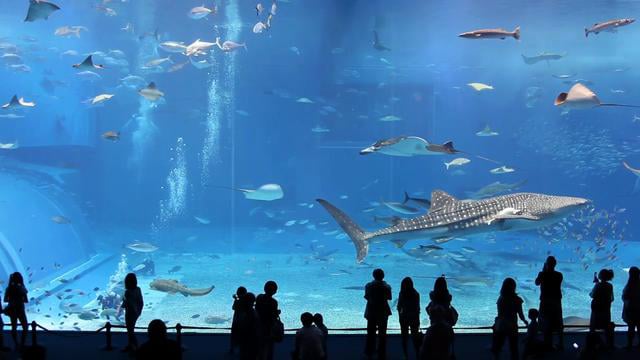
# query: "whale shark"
{"points": [[450, 218]]}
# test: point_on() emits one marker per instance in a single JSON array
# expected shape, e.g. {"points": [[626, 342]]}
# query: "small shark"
{"points": [[491, 34], [610, 26], [173, 287], [40, 10], [545, 56], [449, 218], [494, 188]]}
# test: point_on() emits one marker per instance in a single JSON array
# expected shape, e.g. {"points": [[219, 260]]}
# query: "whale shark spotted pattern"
{"points": [[450, 217]]}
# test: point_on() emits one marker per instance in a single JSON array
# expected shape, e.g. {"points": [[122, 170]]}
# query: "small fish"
{"points": [[502, 170], [175, 269], [480, 86], [457, 162], [202, 220], [390, 118], [491, 34], [609, 26], [195, 316], [142, 247], [59, 219], [304, 100]]}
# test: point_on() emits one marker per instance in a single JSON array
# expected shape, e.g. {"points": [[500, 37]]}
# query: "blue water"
{"points": [[295, 108]]}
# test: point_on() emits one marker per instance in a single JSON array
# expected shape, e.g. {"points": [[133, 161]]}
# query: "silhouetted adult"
{"points": [[237, 307], [631, 308], [16, 296], [550, 282], [248, 328], [159, 346], [601, 299], [132, 305], [438, 340], [506, 323], [440, 297], [308, 343], [377, 293], [409, 314], [268, 313], [318, 320]]}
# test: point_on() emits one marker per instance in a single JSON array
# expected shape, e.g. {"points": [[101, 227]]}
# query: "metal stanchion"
{"points": [[34, 338], [107, 328], [179, 335]]}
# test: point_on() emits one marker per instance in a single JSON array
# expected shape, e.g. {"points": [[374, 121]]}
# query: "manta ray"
{"points": [[449, 218], [40, 10]]}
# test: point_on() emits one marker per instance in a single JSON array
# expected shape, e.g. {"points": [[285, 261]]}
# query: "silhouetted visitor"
{"points": [[533, 346], [248, 328], [506, 323], [132, 304], [550, 282], [318, 320], [3, 348], [601, 299], [159, 346], [631, 308], [409, 314], [437, 343], [16, 296], [308, 343], [440, 297], [377, 293], [269, 315], [237, 308]]}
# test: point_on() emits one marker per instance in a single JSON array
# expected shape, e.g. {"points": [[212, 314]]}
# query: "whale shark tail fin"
{"points": [[355, 232]]}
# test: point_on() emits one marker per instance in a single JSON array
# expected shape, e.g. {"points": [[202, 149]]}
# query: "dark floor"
{"points": [[76, 345]]}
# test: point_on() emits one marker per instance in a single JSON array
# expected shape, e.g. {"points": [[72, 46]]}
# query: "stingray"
{"points": [[581, 97], [40, 9], [267, 192], [88, 64]]}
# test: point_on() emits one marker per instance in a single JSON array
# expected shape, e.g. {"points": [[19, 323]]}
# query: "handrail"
{"points": [[178, 327]]}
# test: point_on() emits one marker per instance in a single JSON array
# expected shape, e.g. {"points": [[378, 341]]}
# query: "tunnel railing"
{"points": [[179, 328]]}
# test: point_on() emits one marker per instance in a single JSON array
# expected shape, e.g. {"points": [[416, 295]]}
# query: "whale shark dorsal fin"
{"points": [[439, 199]]}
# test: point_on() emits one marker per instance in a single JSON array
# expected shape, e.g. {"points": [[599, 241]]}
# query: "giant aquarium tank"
{"points": [[210, 146]]}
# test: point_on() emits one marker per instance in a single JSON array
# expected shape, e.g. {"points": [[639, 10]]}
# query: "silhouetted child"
{"points": [[602, 297], [132, 303], [16, 296], [158, 346], [533, 346], [631, 309], [318, 320], [2, 347], [248, 328], [437, 343], [237, 308], [308, 343], [409, 315]]}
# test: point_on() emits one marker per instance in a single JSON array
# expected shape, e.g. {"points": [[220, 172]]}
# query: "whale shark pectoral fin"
{"points": [[513, 217], [399, 243]]}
